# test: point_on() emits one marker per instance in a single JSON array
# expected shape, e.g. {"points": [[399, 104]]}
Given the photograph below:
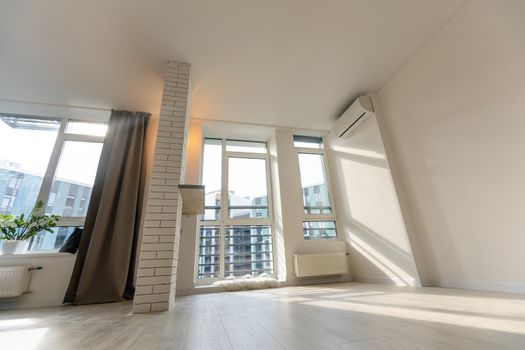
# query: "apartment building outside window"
{"points": [[235, 235], [50, 159], [318, 213]]}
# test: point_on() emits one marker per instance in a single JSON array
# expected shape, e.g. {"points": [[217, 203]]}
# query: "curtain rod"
{"points": [[56, 105]]}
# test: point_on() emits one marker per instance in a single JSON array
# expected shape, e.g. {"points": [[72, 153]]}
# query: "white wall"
{"points": [[47, 286], [455, 117], [369, 215]]}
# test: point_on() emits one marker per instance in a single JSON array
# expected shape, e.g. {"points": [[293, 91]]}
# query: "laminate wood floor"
{"points": [[336, 316]]}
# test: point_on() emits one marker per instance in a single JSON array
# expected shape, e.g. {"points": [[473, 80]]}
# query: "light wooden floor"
{"points": [[337, 316]]}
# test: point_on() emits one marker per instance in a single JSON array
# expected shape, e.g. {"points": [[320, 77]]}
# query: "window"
{"points": [[319, 230], [209, 252], [308, 142], [319, 218], [247, 188], [26, 145], [245, 146], [86, 128], [313, 180], [211, 178], [247, 250], [74, 178], [235, 238], [49, 159]]}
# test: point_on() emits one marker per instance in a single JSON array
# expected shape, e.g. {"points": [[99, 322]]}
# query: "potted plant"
{"points": [[17, 230]]}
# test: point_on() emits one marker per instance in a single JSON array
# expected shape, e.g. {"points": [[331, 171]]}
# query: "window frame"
{"points": [[52, 165], [224, 219], [49, 175], [317, 217]]}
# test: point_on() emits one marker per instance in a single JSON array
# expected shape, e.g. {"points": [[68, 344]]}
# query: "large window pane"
{"points": [[247, 191], [209, 252], [211, 178], [319, 230], [26, 145], [313, 180], [247, 250], [74, 178]]}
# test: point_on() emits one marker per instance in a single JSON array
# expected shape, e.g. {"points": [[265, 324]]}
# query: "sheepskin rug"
{"points": [[246, 282]]}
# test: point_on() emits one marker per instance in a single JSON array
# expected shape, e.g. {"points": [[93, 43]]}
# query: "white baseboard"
{"points": [[488, 286], [308, 281]]}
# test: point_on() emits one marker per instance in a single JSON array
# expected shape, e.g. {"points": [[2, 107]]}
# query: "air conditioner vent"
{"points": [[353, 117]]}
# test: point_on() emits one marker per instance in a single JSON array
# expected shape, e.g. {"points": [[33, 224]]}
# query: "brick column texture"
{"points": [[157, 268]]}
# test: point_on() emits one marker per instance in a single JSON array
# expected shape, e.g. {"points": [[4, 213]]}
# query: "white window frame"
{"points": [[49, 175], [224, 219], [317, 217]]}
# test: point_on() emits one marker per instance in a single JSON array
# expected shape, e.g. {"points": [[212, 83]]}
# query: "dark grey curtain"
{"points": [[105, 264]]}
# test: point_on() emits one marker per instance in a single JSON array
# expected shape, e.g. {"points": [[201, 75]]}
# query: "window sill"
{"points": [[38, 254]]}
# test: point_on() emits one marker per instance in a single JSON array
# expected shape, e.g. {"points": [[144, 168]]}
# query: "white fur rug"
{"points": [[246, 282]]}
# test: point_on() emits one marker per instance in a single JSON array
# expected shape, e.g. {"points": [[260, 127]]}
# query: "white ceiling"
{"points": [[283, 62]]}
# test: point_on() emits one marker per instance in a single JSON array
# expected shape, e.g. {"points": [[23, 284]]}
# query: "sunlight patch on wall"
{"points": [[391, 270]]}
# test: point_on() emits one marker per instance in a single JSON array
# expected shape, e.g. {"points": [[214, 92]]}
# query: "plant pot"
{"points": [[14, 247]]}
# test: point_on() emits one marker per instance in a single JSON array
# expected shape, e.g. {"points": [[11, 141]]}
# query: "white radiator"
{"points": [[13, 280], [309, 265]]}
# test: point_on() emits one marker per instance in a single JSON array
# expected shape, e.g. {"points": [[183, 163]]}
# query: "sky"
{"points": [[30, 149]]}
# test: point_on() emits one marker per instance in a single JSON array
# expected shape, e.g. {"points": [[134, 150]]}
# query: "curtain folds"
{"points": [[105, 264]]}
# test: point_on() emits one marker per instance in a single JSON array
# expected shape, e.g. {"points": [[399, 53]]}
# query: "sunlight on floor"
{"points": [[491, 313], [25, 339], [16, 322], [510, 326]]}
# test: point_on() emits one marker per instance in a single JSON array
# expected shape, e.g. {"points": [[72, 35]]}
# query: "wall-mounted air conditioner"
{"points": [[353, 117]]}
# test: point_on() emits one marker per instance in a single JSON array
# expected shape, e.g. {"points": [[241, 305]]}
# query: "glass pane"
{"points": [[319, 230], [248, 212], [74, 178], [245, 146], [211, 214], [209, 252], [313, 180], [248, 197], [48, 240], [86, 128], [247, 250], [308, 142], [211, 178], [26, 145]]}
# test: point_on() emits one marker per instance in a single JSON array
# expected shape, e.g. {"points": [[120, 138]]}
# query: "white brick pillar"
{"points": [[157, 268]]}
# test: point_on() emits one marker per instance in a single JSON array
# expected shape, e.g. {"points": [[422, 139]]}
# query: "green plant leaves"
{"points": [[20, 228]]}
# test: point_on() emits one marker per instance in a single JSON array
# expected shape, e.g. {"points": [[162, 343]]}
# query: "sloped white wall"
{"points": [[455, 117]]}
